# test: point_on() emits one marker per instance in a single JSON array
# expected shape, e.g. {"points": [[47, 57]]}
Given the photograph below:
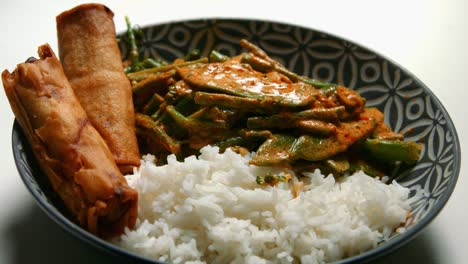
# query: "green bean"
{"points": [[255, 50], [193, 55], [253, 105], [193, 124], [316, 127], [286, 121], [216, 56], [152, 63], [231, 142], [256, 134], [180, 119], [143, 74], [274, 151], [314, 148], [262, 63], [143, 90], [230, 101], [210, 113], [153, 104], [366, 167], [159, 112], [306, 119], [160, 136], [328, 91], [133, 53], [200, 132], [316, 83], [392, 150], [338, 166], [326, 114], [182, 106], [177, 91], [249, 139], [250, 103], [257, 63], [153, 83], [268, 122]]}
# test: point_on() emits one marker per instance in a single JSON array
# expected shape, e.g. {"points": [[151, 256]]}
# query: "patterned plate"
{"points": [[409, 107]]}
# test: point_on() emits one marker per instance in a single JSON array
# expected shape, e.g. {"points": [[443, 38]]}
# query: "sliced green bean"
{"points": [[178, 91], [249, 139], [315, 148], [152, 63], [210, 113], [316, 127], [200, 132], [143, 74], [262, 63], [231, 142], [193, 124], [366, 167], [291, 119], [327, 114], [282, 122], [153, 83], [153, 104], [161, 137], [182, 106], [133, 53], [337, 166], [269, 122], [274, 151], [253, 105], [257, 63], [256, 134], [328, 91], [255, 50], [193, 55], [392, 150], [294, 119], [316, 83], [216, 56]]}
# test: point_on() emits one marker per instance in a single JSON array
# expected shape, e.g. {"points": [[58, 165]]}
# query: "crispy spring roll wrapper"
{"points": [[70, 151], [90, 56]]}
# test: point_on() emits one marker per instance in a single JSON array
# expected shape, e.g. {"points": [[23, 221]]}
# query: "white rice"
{"points": [[211, 210]]}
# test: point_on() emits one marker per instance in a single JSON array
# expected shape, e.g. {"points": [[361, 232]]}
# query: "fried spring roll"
{"points": [[91, 60], [69, 150]]}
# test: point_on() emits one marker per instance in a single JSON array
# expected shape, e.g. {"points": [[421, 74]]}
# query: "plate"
{"points": [[409, 106]]}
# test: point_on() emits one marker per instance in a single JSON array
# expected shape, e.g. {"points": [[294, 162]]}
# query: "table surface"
{"points": [[429, 38]]}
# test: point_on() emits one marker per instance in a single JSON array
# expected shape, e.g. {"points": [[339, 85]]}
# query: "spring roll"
{"points": [[70, 151], [91, 60]]}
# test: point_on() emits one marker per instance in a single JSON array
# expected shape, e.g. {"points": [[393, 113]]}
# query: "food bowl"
{"points": [[409, 107]]}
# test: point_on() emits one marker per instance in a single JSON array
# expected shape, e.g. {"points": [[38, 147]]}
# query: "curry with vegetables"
{"points": [[252, 102]]}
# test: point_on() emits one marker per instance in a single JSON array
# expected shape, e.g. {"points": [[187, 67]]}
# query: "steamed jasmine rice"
{"points": [[210, 209]]}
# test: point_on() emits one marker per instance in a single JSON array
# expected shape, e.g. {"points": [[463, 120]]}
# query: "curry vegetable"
{"points": [[252, 101]]}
